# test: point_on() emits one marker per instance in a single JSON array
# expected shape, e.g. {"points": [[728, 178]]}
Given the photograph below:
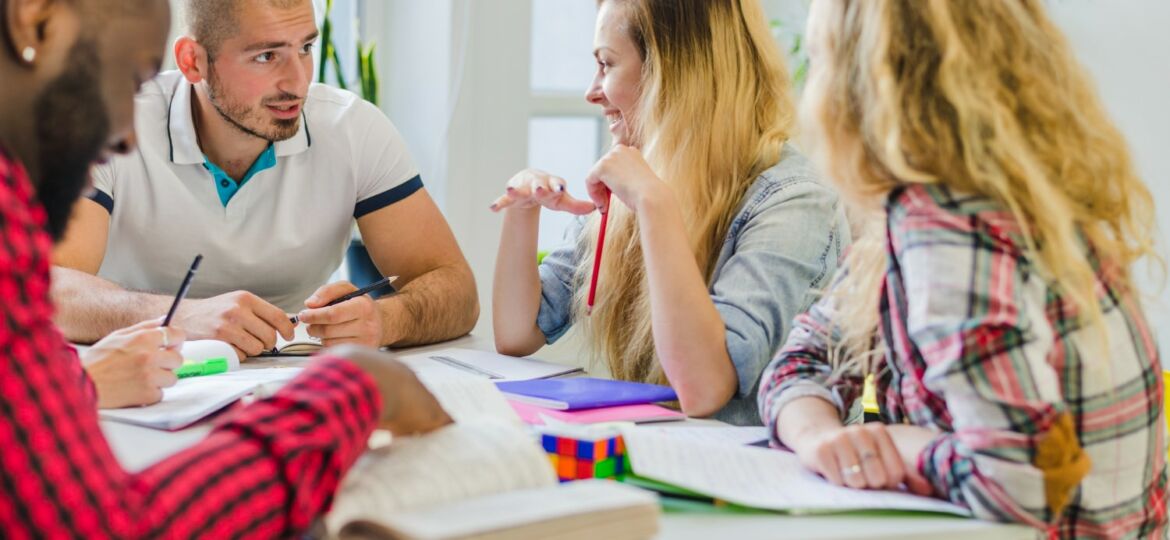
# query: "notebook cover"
{"points": [[585, 392], [532, 414]]}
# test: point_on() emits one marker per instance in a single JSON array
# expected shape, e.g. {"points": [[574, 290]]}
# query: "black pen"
{"points": [[371, 288], [182, 290]]}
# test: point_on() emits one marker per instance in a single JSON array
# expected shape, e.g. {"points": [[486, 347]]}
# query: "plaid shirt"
{"points": [[981, 350], [265, 472]]}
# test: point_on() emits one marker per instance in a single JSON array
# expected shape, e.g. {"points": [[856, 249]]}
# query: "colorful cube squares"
{"points": [[577, 456]]}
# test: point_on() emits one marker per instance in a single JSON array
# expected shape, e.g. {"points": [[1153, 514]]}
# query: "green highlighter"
{"points": [[198, 369]]}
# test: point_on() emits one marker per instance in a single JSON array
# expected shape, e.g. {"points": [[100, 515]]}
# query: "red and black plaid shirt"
{"points": [[265, 472]]}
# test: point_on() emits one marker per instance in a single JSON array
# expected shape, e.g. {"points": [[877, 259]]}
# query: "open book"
{"points": [[302, 344], [755, 477], [586, 510], [483, 477]]}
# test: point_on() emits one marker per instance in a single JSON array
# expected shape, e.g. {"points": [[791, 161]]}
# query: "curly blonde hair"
{"points": [[985, 97]]}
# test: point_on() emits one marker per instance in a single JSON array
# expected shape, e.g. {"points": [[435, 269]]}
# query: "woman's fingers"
{"points": [[534, 188], [539, 187], [828, 466], [573, 205], [889, 456], [850, 465], [918, 484], [863, 457], [598, 192], [502, 202], [873, 468]]}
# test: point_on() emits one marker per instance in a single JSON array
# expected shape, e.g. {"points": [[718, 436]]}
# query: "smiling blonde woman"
{"points": [[719, 229]]}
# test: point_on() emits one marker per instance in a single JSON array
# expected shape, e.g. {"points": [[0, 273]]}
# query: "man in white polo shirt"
{"points": [[242, 159]]}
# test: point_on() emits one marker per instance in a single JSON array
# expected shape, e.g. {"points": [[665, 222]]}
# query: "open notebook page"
{"points": [[464, 460], [491, 365], [466, 397], [756, 477], [728, 435], [190, 400], [302, 344]]}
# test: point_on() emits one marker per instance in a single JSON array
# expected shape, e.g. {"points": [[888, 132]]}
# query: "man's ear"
{"points": [[27, 28], [192, 59]]}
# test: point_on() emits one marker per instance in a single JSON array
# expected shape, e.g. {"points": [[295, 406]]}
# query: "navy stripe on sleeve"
{"points": [[102, 198], [388, 197]]}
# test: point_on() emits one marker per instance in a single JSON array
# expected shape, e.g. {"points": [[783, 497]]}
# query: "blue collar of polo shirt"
{"points": [[226, 186], [184, 140]]}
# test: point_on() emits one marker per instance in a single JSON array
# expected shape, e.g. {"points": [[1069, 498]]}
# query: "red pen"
{"points": [[597, 257]]}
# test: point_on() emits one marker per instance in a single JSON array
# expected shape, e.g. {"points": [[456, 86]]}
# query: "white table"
{"points": [[138, 448]]}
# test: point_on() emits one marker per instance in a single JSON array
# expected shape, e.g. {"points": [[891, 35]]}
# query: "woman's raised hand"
{"points": [[532, 188]]}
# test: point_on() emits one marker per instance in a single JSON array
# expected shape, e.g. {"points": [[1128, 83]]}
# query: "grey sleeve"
{"points": [[556, 292], [784, 254]]}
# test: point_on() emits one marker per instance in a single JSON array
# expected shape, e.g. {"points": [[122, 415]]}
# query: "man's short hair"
{"points": [[211, 22]]}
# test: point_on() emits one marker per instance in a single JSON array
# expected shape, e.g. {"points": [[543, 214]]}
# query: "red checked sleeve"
{"points": [[266, 472]]}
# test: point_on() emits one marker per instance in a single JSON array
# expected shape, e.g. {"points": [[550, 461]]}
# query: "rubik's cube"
{"points": [[579, 457]]}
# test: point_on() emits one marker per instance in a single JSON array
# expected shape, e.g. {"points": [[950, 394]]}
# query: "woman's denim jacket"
{"points": [[782, 248]]}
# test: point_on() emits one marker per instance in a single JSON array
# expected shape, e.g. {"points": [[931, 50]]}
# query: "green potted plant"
{"points": [[331, 57]]}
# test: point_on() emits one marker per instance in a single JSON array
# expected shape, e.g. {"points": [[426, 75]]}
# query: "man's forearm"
{"points": [[439, 305], [89, 307]]}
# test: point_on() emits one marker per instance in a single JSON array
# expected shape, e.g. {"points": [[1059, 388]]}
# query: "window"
{"points": [[566, 135], [344, 15]]}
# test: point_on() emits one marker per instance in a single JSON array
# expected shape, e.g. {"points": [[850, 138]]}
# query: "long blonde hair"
{"points": [[714, 113], [983, 96]]}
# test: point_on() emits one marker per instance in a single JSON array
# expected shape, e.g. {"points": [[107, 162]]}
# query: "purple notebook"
{"points": [[584, 393]]}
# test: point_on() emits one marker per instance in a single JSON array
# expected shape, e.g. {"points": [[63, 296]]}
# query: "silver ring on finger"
{"points": [[166, 338], [868, 454], [851, 470]]}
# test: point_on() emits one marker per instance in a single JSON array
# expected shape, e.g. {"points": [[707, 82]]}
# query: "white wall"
{"points": [[489, 135], [456, 83], [415, 59], [1125, 45]]}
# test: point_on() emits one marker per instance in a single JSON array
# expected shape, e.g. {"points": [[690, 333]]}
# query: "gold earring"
{"points": [[29, 54]]}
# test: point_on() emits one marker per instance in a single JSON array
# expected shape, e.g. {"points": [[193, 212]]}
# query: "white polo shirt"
{"points": [[282, 234]]}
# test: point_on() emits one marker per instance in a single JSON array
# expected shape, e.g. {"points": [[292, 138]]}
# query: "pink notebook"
{"points": [[531, 414]]}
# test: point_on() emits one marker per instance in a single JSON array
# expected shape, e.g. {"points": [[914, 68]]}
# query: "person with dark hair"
{"points": [[243, 158], [69, 70]]}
